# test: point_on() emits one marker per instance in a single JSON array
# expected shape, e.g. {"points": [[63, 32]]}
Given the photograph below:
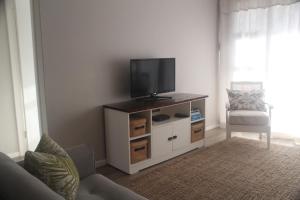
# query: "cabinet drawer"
{"points": [[197, 131]]}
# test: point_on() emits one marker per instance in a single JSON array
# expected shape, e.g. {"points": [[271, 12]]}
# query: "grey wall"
{"points": [[87, 46]]}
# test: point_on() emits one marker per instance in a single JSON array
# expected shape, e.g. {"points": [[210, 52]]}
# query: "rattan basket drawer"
{"points": [[197, 132], [139, 150], [137, 127]]}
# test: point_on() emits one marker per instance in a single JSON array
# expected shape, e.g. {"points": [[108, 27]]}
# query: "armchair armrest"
{"points": [[83, 158], [270, 106], [227, 106]]}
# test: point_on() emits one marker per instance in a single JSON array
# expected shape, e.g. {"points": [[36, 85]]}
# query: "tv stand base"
{"points": [[153, 98], [161, 140]]}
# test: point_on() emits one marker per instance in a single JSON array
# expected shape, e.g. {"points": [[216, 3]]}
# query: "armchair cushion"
{"points": [[248, 117], [246, 100]]}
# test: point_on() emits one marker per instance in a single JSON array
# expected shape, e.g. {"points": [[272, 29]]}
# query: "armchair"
{"points": [[248, 120]]}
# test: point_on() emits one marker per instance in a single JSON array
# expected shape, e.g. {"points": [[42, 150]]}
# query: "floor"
{"points": [[212, 137], [217, 135]]}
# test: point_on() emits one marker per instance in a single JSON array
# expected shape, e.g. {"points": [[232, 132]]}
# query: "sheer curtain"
{"points": [[260, 41]]}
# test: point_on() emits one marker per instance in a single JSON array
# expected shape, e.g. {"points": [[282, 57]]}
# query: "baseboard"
{"points": [[212, 127], [13, 155], [100, 163], [223, 125]]}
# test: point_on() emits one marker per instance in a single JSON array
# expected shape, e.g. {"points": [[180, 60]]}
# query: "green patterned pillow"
{"points": [[47, 145], [52, 165]]}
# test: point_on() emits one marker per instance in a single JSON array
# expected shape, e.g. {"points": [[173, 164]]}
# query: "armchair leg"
{"points": [[269, 138], [228, 133], [260, 136]]}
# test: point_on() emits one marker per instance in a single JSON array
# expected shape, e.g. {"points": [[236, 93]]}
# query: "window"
{"points": [[19, 113]]}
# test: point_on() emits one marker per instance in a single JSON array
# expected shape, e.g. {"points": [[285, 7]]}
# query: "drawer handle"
{"points": [[139, 149], [174, 137], [198, 131], [170, 138], [139, 127]]}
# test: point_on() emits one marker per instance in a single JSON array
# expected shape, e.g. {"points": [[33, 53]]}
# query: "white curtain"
{"points": [[260, 41], [228, 6]]}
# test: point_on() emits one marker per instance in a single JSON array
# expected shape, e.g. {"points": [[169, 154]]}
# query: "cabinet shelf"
{"points": [[141, 163], [198, 120], [140, 136], [172, 119]]}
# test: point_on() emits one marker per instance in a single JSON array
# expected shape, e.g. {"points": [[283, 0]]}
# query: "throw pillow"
{"points": [[53, 166], [246, 100], [48, 145]]}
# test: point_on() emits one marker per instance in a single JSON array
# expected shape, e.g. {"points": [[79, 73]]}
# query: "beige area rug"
{"points": [[239, 169]]}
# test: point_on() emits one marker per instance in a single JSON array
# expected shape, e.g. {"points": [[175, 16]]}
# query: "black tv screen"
{"points": [[152, 76]]}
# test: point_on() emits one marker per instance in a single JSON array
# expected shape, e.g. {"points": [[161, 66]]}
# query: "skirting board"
{"points": [[100, 163], [212, 127], [223, 125], [13, 155]]}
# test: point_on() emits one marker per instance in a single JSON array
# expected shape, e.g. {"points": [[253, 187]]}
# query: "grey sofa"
{"points": [[17, 184]]}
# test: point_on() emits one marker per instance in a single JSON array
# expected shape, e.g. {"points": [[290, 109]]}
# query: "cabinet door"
{"points": [[161, 140], [182, 134]]}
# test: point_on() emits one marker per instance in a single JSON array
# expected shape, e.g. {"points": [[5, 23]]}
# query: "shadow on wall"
{"points": [[81, 128], [85, 124], [102, 130], [120, 79], [90, 124]]}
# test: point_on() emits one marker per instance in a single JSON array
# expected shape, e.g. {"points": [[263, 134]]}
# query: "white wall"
{"points": [[86, 50]]}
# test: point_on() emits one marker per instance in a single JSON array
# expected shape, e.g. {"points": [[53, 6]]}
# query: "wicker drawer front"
{"points": [[139, 150], [197, 132], [137, 127]]}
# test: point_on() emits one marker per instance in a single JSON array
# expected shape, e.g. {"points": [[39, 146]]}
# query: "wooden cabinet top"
{"points": [[138, 105]]}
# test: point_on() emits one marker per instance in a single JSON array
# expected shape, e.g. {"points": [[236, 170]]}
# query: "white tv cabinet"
{"points": [[166, 139]]}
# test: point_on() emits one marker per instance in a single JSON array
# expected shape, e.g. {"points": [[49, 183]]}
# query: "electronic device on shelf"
{"points": [[150, 77], [181, 115], [160, 117], [196, 115]]}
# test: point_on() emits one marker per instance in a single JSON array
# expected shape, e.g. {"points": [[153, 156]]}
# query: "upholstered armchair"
{"points": [[244, 120]]}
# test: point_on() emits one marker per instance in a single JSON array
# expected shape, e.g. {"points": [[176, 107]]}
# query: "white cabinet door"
{"points": [[161, 140], [181, 134]]}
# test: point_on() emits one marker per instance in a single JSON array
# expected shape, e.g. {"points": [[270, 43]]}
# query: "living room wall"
{"points": [[86, 47]]}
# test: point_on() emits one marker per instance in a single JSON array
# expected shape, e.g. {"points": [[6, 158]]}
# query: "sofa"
{"points": [[17, 184]]}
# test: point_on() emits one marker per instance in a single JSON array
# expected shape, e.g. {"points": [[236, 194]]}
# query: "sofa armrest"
{"points": [[84, 160], [16, 183]]}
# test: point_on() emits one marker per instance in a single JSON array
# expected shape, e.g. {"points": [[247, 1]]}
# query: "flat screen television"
{"points": [[150, 77]]}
